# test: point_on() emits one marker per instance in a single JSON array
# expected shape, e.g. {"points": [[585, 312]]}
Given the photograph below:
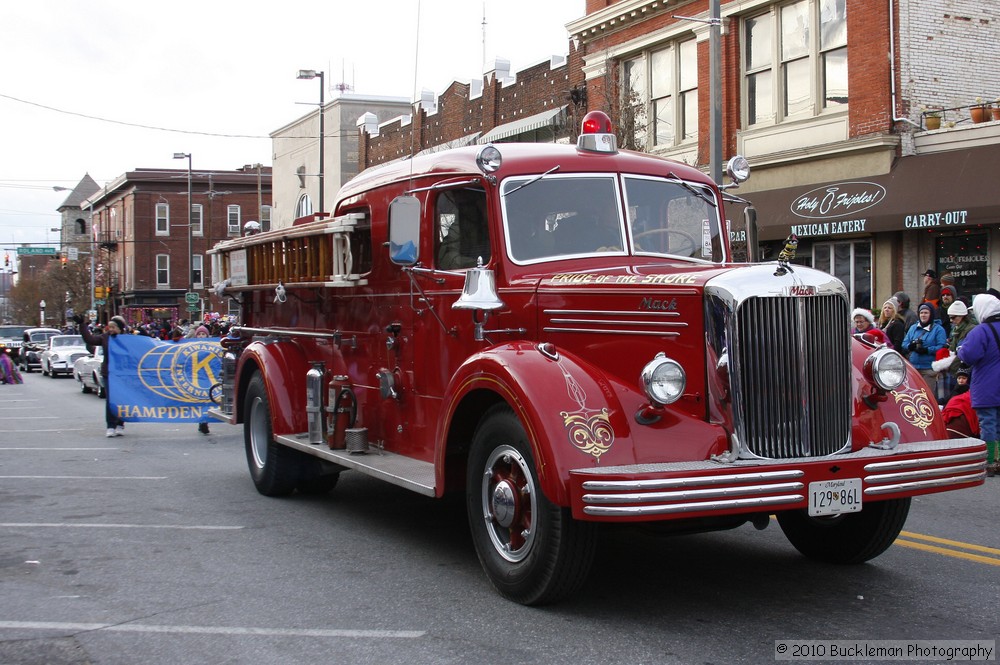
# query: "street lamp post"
{"points": [[190, 279], [41, 315], [311, 74]]}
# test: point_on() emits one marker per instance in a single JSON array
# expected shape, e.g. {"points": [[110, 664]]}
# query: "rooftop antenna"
{"points": [[343, 86], [484, 38]]}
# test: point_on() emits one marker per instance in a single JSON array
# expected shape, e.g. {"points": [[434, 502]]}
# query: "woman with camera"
{"points": [[922, 342]]}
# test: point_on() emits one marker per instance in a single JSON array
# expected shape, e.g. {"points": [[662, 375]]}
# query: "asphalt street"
{"points": [[155, 548]]}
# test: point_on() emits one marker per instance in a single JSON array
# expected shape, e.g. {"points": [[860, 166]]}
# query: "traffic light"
{"points": [[64, 261]]}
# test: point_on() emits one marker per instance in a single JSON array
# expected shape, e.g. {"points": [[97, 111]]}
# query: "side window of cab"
{"points": [[462, 229]]}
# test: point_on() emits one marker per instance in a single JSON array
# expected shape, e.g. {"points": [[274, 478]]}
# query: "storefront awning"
{"points": [[550, 118], [948, 191]]}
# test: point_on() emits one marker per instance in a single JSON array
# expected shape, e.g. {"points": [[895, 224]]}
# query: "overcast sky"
{"points": [[107, 86]]}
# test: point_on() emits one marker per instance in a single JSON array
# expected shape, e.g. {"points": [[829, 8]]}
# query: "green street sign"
{"points": [[194, 308], [44, 251], [191, 298]]}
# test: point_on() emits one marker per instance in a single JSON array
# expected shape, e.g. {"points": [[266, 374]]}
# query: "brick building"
{"points": [[140, 234], [824, 98], [533, 104]]}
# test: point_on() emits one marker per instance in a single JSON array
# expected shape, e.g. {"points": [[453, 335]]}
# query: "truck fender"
{"points": [[912, 407], [283, 366], [568, 409]]}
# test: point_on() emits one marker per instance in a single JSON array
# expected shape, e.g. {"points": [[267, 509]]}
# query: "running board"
{"points": [[403, 471]]}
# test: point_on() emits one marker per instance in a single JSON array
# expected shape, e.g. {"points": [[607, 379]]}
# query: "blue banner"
{"points": [[150, 380]]}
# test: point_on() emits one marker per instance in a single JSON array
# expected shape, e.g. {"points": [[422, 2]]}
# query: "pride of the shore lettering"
{"points": [[585, 278]]}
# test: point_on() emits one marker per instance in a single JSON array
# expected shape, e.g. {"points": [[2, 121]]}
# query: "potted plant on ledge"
{"points": [[932, 117], [980, 112]]}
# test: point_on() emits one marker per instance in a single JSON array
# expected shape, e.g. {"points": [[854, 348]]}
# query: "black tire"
{"points": [[83, 386], [101, 392], [848, 538], [535, 553], [277, 470]]}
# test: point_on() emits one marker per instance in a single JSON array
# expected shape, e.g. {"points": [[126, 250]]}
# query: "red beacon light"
{"points": [[597, 134]]}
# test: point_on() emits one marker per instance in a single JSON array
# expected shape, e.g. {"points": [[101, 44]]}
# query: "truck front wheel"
{"points": [[846, 538], [532, 550], [275, 468]]}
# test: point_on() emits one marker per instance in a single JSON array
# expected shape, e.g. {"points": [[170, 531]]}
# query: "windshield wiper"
{"points": [[697, 191], [533, 180]]}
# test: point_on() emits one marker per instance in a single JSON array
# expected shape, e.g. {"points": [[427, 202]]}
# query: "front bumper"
{"points": [[648, 492]]}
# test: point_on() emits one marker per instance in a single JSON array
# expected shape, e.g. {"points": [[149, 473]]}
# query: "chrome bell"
{"points": [[479, 292]]}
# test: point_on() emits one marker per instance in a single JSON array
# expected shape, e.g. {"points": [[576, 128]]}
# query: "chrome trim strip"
{"points": [[668, 483], [923, 461], [666, 333], [758, 502], [608, 312], [922, 473], [926, 484], [691, 495], [677, 324]]}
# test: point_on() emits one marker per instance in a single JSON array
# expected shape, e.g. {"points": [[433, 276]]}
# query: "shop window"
{"points": [[265, 218], [851, 263], [965, 257], [795, 60], [197, 264]]}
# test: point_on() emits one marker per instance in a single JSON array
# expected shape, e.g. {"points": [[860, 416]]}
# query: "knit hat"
{"points": [[865, 313], [958, 308], [120, 322], [947, 278], [902, 299], [892, 302], [926, 305], [200, 330], [949, 289], [964, 370]]}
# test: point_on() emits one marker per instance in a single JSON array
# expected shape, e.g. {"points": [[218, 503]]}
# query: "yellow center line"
{"points": [[952, 543], [941, 550]]}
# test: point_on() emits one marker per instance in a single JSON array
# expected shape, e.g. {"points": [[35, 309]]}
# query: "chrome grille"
{"points": [[792, 372]]}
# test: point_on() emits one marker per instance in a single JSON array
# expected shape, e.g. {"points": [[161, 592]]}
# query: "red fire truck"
{"points": [[561, 333]]}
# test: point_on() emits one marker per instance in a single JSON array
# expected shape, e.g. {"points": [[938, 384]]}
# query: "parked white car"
{"points": [[87, 371], [62, 352]]}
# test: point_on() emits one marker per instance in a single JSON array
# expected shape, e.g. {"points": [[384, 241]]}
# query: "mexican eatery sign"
{"points": [[843, 199]]}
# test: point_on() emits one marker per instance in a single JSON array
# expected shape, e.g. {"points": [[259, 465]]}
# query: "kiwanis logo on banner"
{"points": [[151, 380]]}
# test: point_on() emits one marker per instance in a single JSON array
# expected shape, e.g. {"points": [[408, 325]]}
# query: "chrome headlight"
{"points": [[663, 379], [886, 368]]}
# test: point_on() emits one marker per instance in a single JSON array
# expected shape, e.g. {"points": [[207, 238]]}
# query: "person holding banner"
{"points": [[116, 326]]}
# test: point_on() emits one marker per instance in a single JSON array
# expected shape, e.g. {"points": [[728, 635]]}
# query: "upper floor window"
{"points": [[660, 96], [162, 219], [265, 218], [162, 271], [80, 226], [233, 220], [303, 207], [795, 60], [196, 220], [197, 266]]}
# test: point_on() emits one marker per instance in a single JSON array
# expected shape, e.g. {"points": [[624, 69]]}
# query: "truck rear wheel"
{"points": [[847, 538], [275, 468], [532, 550]]}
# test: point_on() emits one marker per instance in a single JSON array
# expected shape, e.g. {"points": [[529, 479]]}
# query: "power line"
{"points": [[130, 124]]}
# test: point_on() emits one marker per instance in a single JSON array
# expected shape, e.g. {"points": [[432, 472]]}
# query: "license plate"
{"points": [[833, 497]]}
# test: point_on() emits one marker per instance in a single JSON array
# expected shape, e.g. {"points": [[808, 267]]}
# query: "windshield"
{"points": [[562, 216], [67, 340], [12, 331], [42, 336]]}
